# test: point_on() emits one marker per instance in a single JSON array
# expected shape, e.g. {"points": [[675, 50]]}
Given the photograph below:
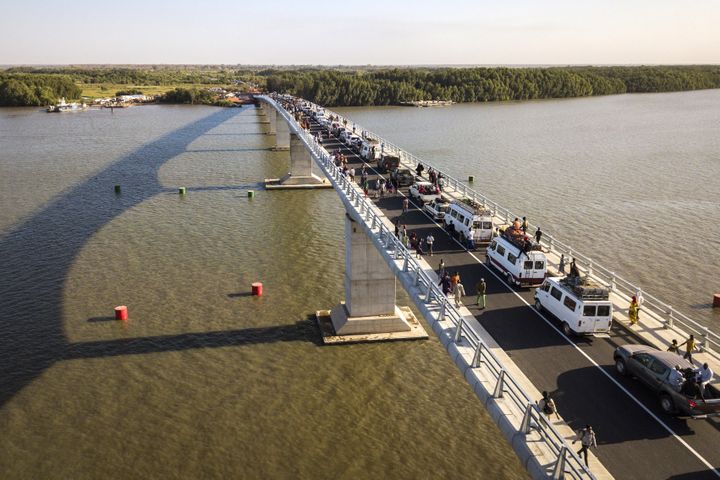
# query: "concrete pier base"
{"points": [[369, 312], [301, 175], [405, 318]]}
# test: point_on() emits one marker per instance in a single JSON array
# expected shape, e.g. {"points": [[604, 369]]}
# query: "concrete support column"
{"points": [[369, 312], [369, 283], [300, 159], [282, 135], [271, 120]]}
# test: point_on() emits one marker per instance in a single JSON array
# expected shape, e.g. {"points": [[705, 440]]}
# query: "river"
{"points": [[629, 180], [203, 380]]}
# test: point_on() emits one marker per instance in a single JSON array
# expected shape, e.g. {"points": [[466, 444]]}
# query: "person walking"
{"points": [[419, 248], [674, 347], [633, 311], [538, 235], [406, 204], [441, 268], [561, 267], [455, 278], [446, 284], [547, 405], [459, 291], [429, 240], [481, 289], [690, 346], [397, 228], [587, 439]]}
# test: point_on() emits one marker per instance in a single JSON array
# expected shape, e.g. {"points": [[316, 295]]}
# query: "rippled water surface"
{"points": [[629, 180], [203, 381]]}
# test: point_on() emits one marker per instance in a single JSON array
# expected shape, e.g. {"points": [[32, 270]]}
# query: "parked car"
{"points": [[424, 192], [653, 368], [437, 208], [404, 176]]}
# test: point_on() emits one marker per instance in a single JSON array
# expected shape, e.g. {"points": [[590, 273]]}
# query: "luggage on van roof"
{"points": [[520, 239], [585, 288], [473, 207]]}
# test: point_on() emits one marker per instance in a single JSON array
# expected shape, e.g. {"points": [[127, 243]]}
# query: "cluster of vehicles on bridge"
{"points": [[579, 305]]}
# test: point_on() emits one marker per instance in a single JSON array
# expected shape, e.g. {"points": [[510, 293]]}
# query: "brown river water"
{"points": [[202, 381]]}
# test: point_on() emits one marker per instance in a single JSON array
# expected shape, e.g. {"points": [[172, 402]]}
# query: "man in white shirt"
{"points": [[704, 377], [429, 240]]}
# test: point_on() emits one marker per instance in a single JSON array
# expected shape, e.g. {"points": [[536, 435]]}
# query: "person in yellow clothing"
{"points": [[690, 346], [633, 311]]}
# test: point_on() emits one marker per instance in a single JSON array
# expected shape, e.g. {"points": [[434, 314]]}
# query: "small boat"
{"points": [[63, 106]]}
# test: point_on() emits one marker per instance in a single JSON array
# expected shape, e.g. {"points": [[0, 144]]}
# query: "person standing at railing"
{"points": [[538, 235], [561, 267], [640, 300], [633, 311], [587, 439], [525, 225]]}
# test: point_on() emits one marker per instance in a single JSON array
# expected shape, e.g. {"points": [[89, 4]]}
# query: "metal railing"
{"points": [[507, 390], [671, 318]]}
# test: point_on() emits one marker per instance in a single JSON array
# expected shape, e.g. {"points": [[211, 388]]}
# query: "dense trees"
{"points": [[392, 86], [366, 86], [191, 96], [35, 90]]}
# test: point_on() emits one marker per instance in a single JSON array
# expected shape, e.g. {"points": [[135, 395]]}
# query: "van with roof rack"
{"points": [[582, 306], [471, 221], [518, 257]]}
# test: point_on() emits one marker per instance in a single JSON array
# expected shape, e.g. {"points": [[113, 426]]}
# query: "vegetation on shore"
{"points": [[347, 86], [392, 86]]}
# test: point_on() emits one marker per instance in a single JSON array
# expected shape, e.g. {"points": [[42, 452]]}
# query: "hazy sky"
{"points": [[360, 32]]}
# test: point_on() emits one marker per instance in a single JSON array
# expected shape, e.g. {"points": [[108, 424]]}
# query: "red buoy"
{"points": [[716, 300], [121, 313], [257, 289]]}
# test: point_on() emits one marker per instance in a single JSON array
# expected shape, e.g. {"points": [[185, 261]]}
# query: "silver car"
{"points": [[652, 367]]}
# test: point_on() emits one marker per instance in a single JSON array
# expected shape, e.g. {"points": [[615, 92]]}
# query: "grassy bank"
{"points": [[101, 90]]}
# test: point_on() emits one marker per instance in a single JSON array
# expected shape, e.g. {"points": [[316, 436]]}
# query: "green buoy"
{"points": [[471, 178], [117, 188], [182, 190], [251, 194]]}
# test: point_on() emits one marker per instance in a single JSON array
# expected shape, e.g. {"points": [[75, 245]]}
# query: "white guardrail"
{"points": [[507, 390], [672, 319]]}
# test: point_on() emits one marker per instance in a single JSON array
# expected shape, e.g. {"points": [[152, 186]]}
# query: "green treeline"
{"points": [[192, 96], [358, 86], [35, 89], [392, 86], [157, 75]]}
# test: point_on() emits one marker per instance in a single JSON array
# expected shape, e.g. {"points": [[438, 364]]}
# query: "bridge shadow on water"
{"points": [[38, 254]]}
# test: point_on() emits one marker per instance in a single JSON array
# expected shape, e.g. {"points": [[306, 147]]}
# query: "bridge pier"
{"points": [[282, 134], [301, 174], [369, 312]]}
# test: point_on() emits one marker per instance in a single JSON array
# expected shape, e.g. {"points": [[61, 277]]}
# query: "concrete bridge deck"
{"points": [[636, 440]]}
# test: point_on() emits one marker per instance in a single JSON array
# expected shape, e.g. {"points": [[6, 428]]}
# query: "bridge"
{"points": [[509, 351]]}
